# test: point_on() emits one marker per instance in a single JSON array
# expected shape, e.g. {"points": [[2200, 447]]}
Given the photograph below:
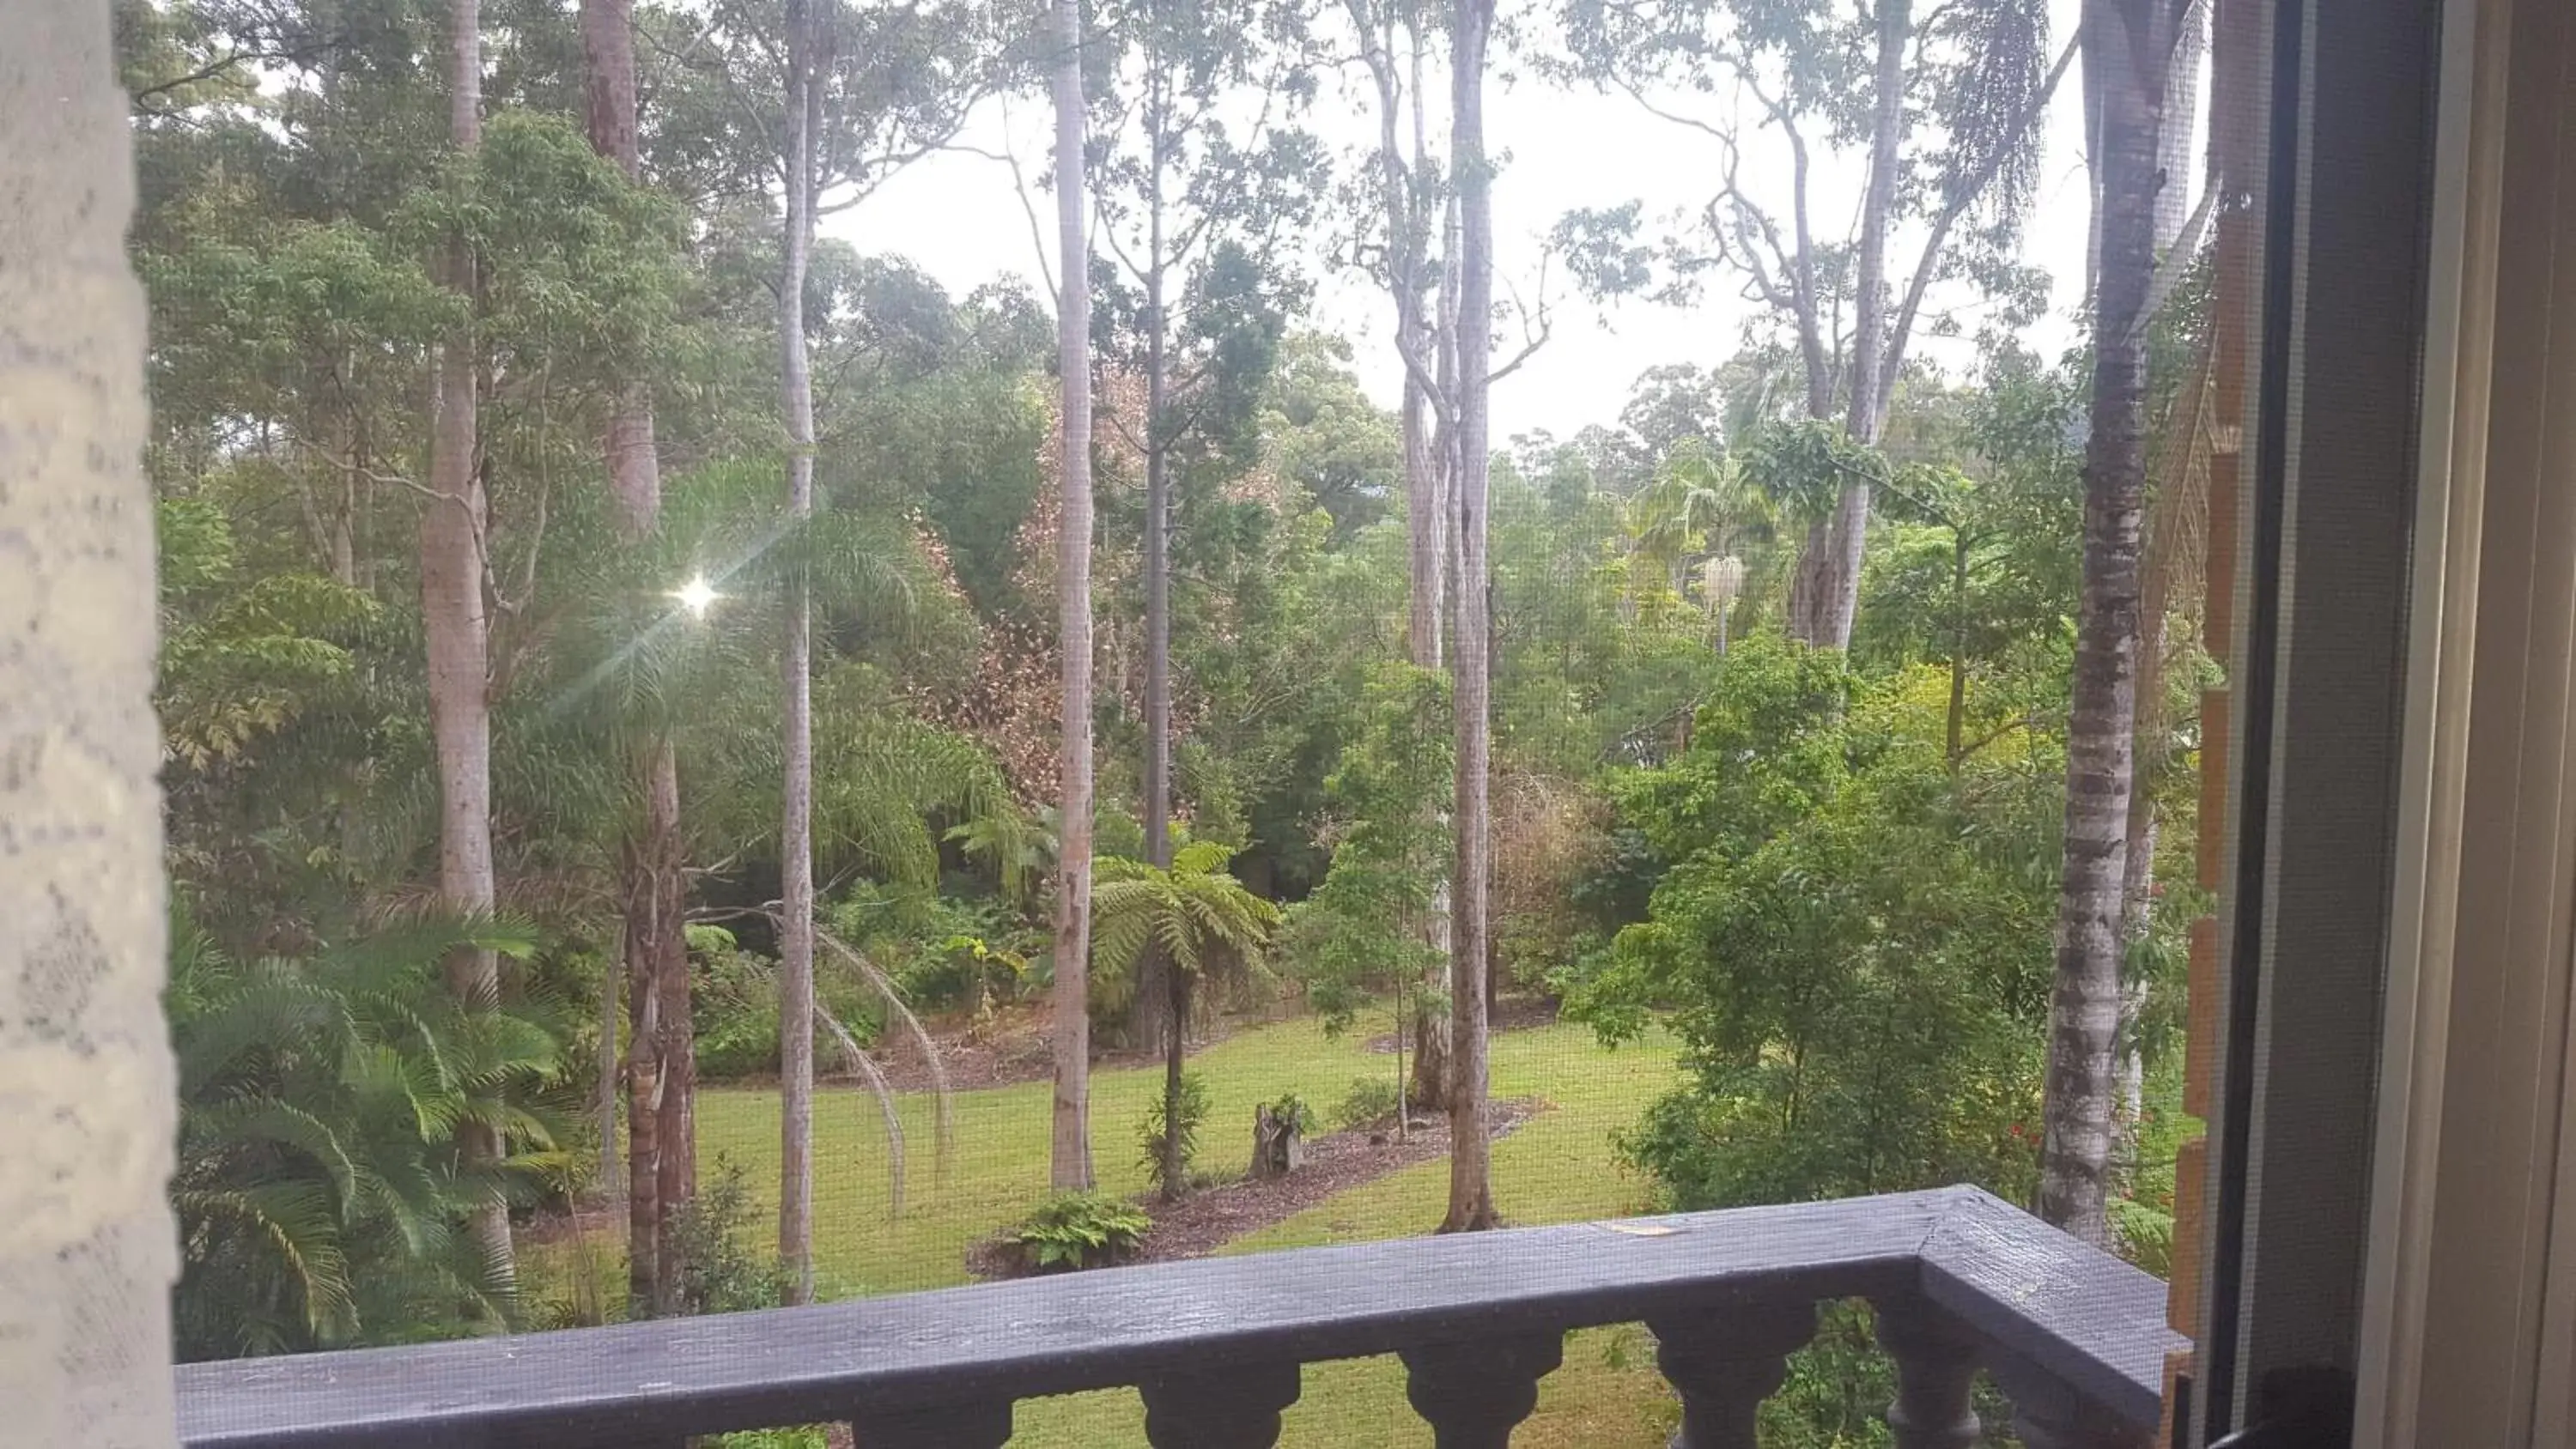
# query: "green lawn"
{"points": [[1557, 1168]]}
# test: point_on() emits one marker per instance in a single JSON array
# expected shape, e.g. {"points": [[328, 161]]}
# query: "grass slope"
{"points": [[1558, 1168]]}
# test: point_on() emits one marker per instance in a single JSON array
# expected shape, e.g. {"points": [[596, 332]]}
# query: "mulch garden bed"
{"points": [[1211, 1217]]}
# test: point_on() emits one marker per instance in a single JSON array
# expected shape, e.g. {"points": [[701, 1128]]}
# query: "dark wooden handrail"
{"points": [[2038, 1304]]}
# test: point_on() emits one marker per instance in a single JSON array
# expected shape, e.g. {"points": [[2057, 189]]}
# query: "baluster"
{"points": [[982, 1424], [2049, 1414], [1936, 1367], [1725, 1360], [1474, 1394], [1234, 1408]]}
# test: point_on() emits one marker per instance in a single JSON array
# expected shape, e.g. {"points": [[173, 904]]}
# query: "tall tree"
{"points": [[840, 99], [1197, 207], [802, 114], [1392, 46], [651, 887], [1980, 69], [457, 627], [2128, 45], [1069, 1162], [1471, 1189]]}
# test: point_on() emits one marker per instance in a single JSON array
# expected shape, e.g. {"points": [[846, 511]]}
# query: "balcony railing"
{"points": [[1959, 1281]]}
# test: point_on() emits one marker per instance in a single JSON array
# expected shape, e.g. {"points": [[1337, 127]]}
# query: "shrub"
{"points": [[1193, 1114], [1371, 1100], [1289, 1107], [735, 993], [1075, 1230], [942, 952], [718, 1274]]}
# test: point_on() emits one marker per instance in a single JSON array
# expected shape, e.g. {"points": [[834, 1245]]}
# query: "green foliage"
{"points": [[1202, 920], [734, 1002], [1370, 1101], [1852, 940], [1331, 441], [1078, 1230], [242, 657], [1803, 467], [719, 1273], [1291, 1108], [578, 267], [943, 952], [1155, 1131], [318, 1189], [1363, 929]]}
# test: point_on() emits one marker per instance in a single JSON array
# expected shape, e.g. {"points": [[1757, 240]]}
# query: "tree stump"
{"points": [[1277, 1145]]}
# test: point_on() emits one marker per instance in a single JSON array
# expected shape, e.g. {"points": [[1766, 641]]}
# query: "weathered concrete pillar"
{"points": [[87, 1249]]}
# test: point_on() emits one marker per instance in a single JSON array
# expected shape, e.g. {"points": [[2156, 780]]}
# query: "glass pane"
{"points": [[1636, 626]]}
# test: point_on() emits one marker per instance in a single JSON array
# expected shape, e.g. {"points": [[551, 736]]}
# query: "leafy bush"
{"points": [[736, 1007], [735, 993], [1371, 1100], [1852, 943], [942, 952], [1150, 1133], [1360, 932], [1075, 1230], [1289, 1107], [718, 1274]]}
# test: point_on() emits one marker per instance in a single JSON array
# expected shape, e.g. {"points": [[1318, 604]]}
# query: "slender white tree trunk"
{"points": [[1434, 1034], [796, 826], [1069, 1165], [457, 626], [1471, 1192], [1421, 343], [1160, 1007], [1826, 596], [87, 1246]]}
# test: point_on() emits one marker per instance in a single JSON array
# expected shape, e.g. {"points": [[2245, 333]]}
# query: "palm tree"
{"points": [[633, 667], [321, 1193], [1202, 922], [1695, 519], [2127, 44]]}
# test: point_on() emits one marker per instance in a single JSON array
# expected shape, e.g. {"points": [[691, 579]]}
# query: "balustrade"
{"points": [[1958, 1282]]}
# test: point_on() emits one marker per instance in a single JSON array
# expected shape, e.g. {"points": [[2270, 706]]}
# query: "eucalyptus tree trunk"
{"points": [[1424, 345], [1428, 479], [1069, 1158], [796, 823], [1824, 595], [651, 892], [87, 1090], [457, 626], [1158, 1007], [1471, 1191], [1433, 1036], [2124, 36]]}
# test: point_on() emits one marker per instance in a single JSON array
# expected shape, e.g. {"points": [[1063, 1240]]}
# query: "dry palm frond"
{"points": [[944, 1133], [2173, 559]]}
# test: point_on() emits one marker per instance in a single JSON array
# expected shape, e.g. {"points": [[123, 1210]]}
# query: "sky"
{"points": [[958, 215]]}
